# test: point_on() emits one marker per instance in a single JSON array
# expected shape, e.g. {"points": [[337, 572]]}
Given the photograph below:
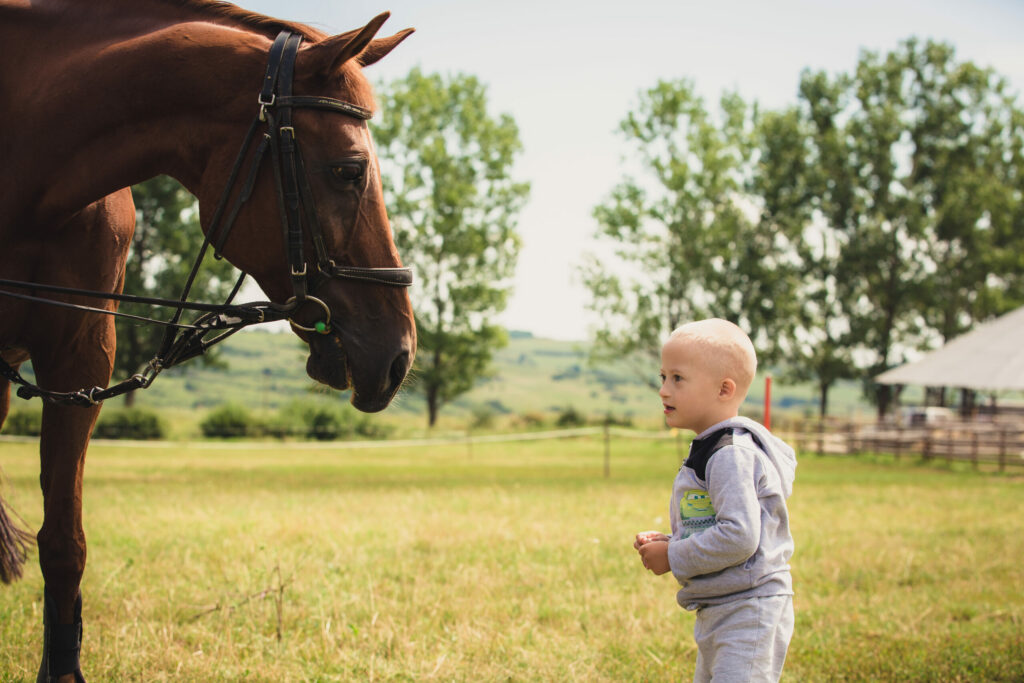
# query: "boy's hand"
{"points": [[645, 537], [655, 556]]}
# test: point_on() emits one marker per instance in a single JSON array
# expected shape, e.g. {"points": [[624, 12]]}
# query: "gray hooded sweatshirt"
{"points": [[730, 526]]}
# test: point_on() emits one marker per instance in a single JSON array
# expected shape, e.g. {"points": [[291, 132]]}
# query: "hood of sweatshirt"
{"points": [[779, 453]]}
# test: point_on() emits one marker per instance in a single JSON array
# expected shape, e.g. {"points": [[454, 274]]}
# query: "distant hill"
{"points": [[266, 370]]}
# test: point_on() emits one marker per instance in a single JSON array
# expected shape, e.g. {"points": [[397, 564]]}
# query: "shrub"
{"points": [[313, 420], [306, 420], [570, 417], [531, 420], [325, 423], [370, 428], [612, 420], [227, 421], [130, 423], [279, 425], [482, 417], [24, 423]]}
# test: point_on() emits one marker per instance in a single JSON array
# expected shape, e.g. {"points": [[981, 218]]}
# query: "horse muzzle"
{"points": [[372, 372]]}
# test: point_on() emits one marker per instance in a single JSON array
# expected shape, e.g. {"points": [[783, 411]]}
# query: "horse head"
{"points": [[340, 272]]}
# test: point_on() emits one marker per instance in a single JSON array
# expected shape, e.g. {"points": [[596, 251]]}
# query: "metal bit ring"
{"points": [[321, 326]]}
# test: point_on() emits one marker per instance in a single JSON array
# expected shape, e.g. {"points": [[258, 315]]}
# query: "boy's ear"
{"points": [[727, 389]]}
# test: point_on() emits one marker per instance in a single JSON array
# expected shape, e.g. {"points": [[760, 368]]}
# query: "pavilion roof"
{"points": [[988, 358]]}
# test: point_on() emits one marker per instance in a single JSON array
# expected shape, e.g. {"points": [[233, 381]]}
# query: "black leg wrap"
{"points": [[62, 643]]}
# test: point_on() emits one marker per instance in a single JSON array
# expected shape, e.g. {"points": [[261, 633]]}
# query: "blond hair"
{"points": [[724, 348]]}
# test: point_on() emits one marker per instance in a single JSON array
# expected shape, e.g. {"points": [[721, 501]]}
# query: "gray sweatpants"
{"points": [[744, 640]]}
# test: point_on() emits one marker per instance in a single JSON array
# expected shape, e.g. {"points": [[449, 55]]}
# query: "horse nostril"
{"points": [[399, 369]]}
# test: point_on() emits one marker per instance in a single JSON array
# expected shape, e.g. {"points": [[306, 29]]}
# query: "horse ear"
{"points": [[378, 49], [328, 55]]}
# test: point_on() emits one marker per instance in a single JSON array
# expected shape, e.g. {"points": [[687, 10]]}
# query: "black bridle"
{"points": [[183, 341]]}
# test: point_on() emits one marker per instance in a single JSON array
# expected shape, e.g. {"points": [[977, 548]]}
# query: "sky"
{"points": [[569, 71]]}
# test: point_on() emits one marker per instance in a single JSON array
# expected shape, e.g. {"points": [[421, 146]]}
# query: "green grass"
{"points": [[504, 562]]}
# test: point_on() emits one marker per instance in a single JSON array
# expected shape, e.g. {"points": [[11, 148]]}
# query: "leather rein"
{"points": [[183, 341]]}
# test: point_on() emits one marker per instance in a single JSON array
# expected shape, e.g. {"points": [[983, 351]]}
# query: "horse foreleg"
{"points": [[70, 351], [61, 540]]}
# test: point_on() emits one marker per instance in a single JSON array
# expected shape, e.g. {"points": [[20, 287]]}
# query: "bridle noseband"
{"points": [[297, 209]]}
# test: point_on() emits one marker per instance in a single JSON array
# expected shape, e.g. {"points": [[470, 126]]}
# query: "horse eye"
{"points": [[348, 171]]}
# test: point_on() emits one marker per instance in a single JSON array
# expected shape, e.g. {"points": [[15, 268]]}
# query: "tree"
{"points": [[966, 173], [684, 240], [166, 241], [447, 177], [918, 183], [795, 155], [882, 212]]}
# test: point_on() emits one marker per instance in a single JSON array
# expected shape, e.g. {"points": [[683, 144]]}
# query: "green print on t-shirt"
{"points": [[695, 511]]}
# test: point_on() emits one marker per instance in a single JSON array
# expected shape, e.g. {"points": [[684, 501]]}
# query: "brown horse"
{"points": [[97, 95]]}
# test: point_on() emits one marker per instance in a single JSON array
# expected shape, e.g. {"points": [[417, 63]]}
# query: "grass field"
{"points": [[502, 562]]}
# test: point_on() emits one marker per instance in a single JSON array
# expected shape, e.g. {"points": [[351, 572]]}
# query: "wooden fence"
{"points": [[977, 442]]}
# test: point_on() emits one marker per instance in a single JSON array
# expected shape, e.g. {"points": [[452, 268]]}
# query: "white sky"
{"points": [[569, 71]]}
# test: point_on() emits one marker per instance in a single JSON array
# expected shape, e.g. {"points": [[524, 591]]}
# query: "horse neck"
{"points": [[120, 110]]}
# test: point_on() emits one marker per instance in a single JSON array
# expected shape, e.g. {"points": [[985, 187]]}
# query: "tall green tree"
{"points": [[447, 166], [966, 131], [166, 241], [681, 235], [917, 183], [795, 154]]}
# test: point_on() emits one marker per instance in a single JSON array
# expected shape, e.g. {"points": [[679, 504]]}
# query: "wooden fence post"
{"points": [[607, 451], [1002, 450]]}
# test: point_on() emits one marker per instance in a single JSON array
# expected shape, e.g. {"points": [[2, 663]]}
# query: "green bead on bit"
{"points": [[320, 327]]}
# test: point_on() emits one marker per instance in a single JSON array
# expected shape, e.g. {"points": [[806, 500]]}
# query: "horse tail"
{"points": [[14, 544]]}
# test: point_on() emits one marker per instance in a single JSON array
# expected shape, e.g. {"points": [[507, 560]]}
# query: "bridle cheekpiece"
{"points": [[295, 197]]}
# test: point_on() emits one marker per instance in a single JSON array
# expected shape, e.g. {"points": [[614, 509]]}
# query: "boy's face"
{"points": [[689, 390]]}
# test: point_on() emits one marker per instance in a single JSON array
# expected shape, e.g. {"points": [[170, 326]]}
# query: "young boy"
{"points": [[730, 544]]}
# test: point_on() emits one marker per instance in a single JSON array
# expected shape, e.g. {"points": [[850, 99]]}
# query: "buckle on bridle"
{"points": [[264, 104]]}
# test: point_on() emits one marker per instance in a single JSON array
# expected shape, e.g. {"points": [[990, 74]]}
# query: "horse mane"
{"points": [[226, 13], [129, 12]]}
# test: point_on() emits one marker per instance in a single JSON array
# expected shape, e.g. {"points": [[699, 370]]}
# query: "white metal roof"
{"points": [[989, 357]]}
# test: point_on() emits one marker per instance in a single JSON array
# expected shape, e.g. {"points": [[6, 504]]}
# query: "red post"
{"points": [[768, 401]]}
